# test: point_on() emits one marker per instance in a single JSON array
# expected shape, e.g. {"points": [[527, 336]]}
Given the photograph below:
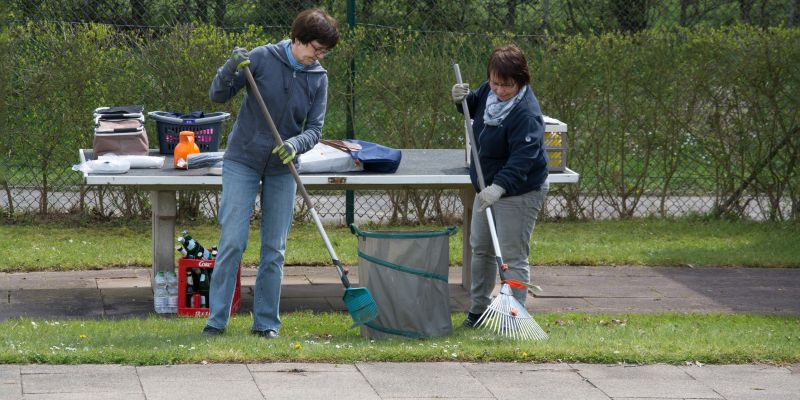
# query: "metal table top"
{"points": [[434, 168]]}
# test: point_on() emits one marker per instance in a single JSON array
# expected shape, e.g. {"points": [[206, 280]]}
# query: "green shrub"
{"points": [[662, 113]]}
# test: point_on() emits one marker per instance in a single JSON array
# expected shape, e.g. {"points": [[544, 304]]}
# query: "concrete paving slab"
{"points": [[644, 305], [199, 382], [294, 280], [315, 304], [422, 380], [10, 382], [664, 381], [318, 270], [314, 290], [127, 302], [578, 270], [126, 282], [109, 380], [202, 390], [473, 367], [328, 275], [537, 304], [53, 303], [336, 303], [44, 280], [534, 381], [85, 396], [311, 381], [774, 303], [584, 286], [301, 367], [747, 381], [195, 372]]}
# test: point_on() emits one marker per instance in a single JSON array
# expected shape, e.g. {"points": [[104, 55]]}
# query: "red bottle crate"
{"points": [[186, 310]]}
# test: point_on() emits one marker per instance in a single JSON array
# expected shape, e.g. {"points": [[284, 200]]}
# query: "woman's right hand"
{"points": [[459, 92], [239, 58]]}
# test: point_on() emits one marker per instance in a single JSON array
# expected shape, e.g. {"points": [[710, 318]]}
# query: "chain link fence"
{"points": [[542, 17], [399, 99]]}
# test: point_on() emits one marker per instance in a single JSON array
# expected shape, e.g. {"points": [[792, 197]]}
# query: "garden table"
{"points": [[419, 169]]}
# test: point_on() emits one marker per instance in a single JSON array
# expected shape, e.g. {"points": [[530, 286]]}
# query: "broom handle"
{"points": [[249, 75], [477, 162]]}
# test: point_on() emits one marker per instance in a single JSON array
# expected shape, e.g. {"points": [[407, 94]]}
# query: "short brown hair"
{"points": [[315, 24], [508, 62]]}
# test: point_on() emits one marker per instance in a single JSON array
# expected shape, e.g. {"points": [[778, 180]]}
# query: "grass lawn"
{"points": [[27, 247], [327, 337]]}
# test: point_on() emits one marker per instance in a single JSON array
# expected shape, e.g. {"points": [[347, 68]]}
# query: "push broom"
{"points": [[359, 301], [505, 316]]}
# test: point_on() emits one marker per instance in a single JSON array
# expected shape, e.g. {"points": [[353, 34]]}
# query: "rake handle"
{"points": [[477, 162], [302, 189]]}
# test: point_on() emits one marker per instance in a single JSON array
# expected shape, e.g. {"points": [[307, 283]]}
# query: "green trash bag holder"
{"points": [[406, 272]]}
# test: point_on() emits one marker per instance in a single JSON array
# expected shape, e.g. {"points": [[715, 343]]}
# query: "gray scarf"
{"points": [[496, 110]]}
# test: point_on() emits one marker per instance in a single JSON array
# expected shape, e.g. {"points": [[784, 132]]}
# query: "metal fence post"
{"points": [[351, 109]]}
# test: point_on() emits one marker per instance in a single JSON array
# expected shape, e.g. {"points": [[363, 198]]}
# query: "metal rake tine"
{"points": [[533, 327], [533, 331], [524, 329], [528, 327], [537, 331]]}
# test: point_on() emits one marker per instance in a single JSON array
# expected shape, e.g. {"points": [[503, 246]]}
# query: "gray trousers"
{"points": [[514, 219]]}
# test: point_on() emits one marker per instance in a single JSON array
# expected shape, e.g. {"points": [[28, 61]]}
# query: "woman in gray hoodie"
{"points": [[294, 86]]}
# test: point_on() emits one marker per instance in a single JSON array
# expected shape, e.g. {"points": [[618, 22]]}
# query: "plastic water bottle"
{"points": [[160, 295], [172, 292]]}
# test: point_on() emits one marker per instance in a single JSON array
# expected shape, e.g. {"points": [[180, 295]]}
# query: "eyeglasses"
{"points": [[319, 51], [502, 85]]}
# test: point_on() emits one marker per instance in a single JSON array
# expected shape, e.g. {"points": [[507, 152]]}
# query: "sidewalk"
{"points": [[125, 293], [368, 381]]}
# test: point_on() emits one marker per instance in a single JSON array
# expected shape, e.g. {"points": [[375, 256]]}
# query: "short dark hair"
{"points": [[508, 62], [315, 24]]}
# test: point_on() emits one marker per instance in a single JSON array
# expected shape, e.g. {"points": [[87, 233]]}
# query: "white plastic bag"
{"points": [[107, 165], [137, 161], [324, 158]]}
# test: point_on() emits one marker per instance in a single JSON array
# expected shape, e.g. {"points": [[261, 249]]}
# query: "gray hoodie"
{"points": [[296, 101]]}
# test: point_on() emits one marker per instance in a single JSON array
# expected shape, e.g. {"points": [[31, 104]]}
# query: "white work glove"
{"points": [[490, 195], [459, 91]]}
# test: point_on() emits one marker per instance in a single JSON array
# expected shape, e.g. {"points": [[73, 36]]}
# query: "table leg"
{"points": [[164, 208], [467, 198]]}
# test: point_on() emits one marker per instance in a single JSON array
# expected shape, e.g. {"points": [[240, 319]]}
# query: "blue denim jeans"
{"points": [[514, 220], [240, 185]]}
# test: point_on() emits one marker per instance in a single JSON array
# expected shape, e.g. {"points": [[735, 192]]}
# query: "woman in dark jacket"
{"points": [[509, 130]]}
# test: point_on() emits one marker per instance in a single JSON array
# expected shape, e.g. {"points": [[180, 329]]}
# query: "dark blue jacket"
{"points": [[512, 154]]}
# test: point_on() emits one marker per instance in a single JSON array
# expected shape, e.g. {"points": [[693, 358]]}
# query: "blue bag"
{"points": [[377, 158]]}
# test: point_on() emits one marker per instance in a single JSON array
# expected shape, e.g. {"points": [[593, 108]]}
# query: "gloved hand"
{"points": [[239, 58], [459, 91], [286, 152], [490, 195]]}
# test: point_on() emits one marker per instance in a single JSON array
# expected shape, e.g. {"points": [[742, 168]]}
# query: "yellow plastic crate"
{"points": [[555, 143]]}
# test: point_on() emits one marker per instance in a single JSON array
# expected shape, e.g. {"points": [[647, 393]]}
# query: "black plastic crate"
{"points": [[207, 130]]}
